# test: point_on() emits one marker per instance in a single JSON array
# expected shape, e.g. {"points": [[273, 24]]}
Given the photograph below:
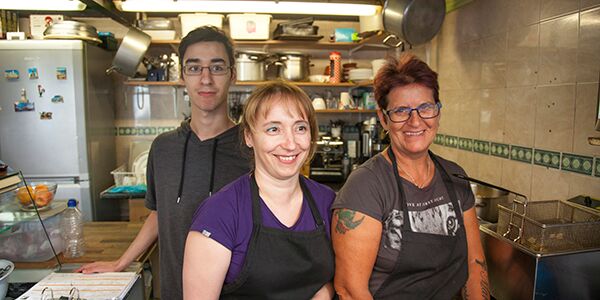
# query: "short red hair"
{"points": [[400, 72]]}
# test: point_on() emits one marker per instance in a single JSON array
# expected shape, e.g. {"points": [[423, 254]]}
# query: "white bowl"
{"points": [[318, 78], [4, 277], [319, 103]]}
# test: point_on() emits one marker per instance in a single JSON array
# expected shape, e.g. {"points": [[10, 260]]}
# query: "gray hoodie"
{"points": [[209, 165]]}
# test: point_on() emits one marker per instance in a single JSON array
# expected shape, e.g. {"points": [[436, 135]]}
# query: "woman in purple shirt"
{"points": [[266, 235]]}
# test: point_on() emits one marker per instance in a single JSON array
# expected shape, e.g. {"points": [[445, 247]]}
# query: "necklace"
{"points": [[412, 179]]}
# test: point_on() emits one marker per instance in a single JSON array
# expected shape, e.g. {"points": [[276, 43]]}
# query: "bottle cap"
{"points": [[72, 203]]}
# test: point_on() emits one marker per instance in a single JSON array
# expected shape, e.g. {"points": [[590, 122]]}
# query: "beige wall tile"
{"points": [[588, 53], [469, 65], [588, 3], [585, 119], [523, 12], [553, 8], [548, 184], [492, 114], [555, 113], [516, 176], [468, 114], [493, 17], [450, 114], [445, 152], [493, 61], [582, 185], [523, 56], [489, 169], [520, 116], [468, 22], [558, 50], [468, 161], [449, 73]]}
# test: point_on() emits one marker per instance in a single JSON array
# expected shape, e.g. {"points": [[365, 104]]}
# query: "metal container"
{"points": [[130, 53], [516, 272], [412, 21], [71, 30], [487, 200], [293, 66], [250, 65], [550, 226]]}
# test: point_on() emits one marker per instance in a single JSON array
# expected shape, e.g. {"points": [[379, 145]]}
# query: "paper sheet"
{"points": [[114, 285]]}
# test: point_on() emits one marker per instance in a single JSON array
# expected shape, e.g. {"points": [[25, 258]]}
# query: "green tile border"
{"points": [[165, 129], [577, 163], [500, 150], [546, 158], [465, 144], [570, 162], [141, 130], [482, 147], [522, 154]]}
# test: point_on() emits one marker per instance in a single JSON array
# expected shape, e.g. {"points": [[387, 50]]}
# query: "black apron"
{"points": [[283, 264], [429, 266]]}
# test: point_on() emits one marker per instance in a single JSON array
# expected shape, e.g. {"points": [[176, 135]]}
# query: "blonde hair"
{"points": [[279, 92]]}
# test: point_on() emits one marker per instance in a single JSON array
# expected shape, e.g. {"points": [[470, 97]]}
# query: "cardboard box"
{"points": [[39, 23]]}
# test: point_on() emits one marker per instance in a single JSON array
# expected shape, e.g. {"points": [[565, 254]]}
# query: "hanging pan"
{"points": [[412, 21], [130, 52]]}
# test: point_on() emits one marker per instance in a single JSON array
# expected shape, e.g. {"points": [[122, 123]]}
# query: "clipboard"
{"points": [[55, 286]]}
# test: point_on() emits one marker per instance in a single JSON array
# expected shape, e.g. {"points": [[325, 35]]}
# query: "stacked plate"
{"points": [[360, 74], [72, 30]]}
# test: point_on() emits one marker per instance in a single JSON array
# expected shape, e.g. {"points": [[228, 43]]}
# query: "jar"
{"points": [[335, 67]]}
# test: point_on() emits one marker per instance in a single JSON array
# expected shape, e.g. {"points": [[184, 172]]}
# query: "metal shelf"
{"points": [[250, 83]]}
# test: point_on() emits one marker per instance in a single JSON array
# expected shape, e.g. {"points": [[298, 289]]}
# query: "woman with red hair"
{"points": [[403, 226]]}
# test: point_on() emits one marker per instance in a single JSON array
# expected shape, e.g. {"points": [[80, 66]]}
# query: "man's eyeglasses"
{"points": [[403, 113], [217, 69]]}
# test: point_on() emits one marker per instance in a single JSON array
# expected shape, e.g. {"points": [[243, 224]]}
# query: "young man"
{"points": [[187, 165]]}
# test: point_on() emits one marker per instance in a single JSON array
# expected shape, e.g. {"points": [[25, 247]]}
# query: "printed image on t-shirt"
{"points": [[392, 229], [436, 220]]}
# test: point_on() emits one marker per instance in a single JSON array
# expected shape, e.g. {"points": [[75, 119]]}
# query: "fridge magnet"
{"points": [[11, 74], [33, 73], [58, 99], [46, 115], [24, 104], [61, 73], [41, 90]]}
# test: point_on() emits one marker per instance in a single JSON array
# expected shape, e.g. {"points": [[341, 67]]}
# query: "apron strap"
{"points": [[450, 187]]}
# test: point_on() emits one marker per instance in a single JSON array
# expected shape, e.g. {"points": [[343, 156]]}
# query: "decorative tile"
{"points": [[597, 168], [164, 129], [546, 158], [522, 154], [126, 131], [482, 147], [500, 150], [451, 141], [465, 144], [577, 163], [146, 130], [439, 139]]}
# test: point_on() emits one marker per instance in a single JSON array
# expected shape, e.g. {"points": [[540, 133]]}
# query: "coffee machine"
{"points": [[326, 166]]}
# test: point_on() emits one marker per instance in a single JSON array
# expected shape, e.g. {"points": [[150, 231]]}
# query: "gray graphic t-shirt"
{"points": [[372, 190]]}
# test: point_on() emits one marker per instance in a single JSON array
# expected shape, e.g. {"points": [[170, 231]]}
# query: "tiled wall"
{"points": [[519, 83]]}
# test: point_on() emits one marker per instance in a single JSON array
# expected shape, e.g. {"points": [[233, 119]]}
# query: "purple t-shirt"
{"points": [[226, 217]]}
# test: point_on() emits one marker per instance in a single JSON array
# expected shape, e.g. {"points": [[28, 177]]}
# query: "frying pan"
{"points": [[130, 52], [412, 21]]}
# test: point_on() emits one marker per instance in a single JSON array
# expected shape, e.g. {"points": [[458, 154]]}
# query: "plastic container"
{"points": [[335, 67], [26, 242], [249, 26], [71, 226], [123, 178], [190, 22]]}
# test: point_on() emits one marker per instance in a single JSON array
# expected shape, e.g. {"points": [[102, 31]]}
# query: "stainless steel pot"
{"points": [[130, 52], [412, 21], [487, 200], [293, 66], [250, 65]]}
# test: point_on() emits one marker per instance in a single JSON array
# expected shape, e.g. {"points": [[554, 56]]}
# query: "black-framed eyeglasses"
{"points": [[195, 69], [403, 113]]}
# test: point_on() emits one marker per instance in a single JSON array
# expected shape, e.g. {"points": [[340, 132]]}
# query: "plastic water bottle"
{"points": [[71, 227]]}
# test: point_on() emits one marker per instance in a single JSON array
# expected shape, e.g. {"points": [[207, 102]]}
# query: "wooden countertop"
{"points": [[103, 241]]}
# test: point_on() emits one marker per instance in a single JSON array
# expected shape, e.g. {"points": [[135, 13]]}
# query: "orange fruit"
{"points": [[23, 195], [43, 198], [41, 187]]}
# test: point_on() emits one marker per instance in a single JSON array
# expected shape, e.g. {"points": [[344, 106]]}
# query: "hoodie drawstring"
{"points": [[212, 169], [185, 144]]}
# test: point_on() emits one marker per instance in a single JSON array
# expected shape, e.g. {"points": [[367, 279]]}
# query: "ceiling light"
{"points": [[43, 5], [273, 7]]}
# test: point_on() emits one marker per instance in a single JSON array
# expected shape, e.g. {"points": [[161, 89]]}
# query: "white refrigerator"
{"points": [[57, 117]]}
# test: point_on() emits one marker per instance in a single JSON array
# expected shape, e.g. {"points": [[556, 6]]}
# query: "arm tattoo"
{"points": [[485, 285], [465, 293], [346, 221], [482, 263]]}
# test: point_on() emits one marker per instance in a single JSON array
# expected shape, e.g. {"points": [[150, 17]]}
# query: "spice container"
{"points": [[335, 67]]}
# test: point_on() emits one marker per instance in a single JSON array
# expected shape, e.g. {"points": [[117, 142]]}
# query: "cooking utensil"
{"points": [[412, 21], [130, 53], [72, 30], [250, 65], [292, 66]]}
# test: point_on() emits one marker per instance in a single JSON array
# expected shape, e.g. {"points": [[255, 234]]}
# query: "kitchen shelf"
{"points": [[250, 83], [372, 42]]}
